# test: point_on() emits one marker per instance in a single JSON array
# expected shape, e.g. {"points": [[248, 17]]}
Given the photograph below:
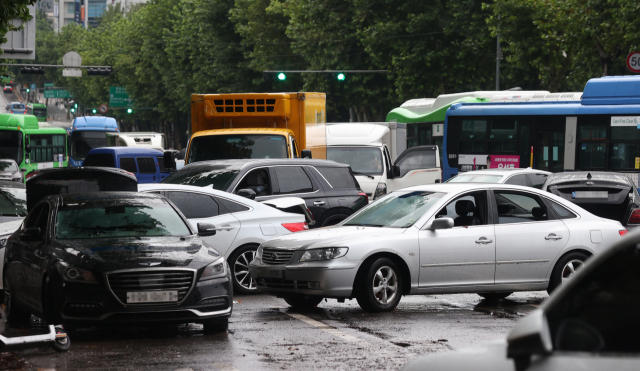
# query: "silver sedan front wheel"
{"points": [[379, 285], [385, 285]]}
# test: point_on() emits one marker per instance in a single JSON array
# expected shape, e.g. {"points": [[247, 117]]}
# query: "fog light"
{"points": [[213, 301], [314, 285]]}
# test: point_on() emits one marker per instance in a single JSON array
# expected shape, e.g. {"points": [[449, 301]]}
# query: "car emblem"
{"points": [[153, 264]]}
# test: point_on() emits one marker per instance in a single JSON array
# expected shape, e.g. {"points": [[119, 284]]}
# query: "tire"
{"points": [[332, 218], [11, 310], [216, 326], [565, 268], [494, 295], [239, 261], [303, 302], [61, 345], [383, 274]]}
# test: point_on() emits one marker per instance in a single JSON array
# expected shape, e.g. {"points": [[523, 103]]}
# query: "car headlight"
{"points": [[324, 254], [216, 269], [381, 190], [71, 273]]}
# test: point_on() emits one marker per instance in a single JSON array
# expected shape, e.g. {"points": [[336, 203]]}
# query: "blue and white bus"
{"points": [[594, 130], [87, 133]]}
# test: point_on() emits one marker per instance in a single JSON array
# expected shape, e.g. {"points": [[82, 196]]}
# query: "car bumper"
{"points": [[96, 304], [334, 279]]}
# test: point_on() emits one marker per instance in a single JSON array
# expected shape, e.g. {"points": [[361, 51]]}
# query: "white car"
{"points": [[490, 239], [525, 177], [241, 224], [6, 230]]}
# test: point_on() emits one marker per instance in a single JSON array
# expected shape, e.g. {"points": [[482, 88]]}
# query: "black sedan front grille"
{"points": [[151, 280], [275, 256]]}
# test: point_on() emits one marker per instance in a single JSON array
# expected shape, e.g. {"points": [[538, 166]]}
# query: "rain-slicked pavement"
{"points": [[264, 334]]}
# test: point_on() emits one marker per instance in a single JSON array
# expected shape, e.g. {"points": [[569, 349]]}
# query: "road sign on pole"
{"points": [[103, 108], [72, 60], [57, 93], [118, 97], [633, 61]]}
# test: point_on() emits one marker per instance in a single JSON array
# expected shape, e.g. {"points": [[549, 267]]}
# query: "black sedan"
{"points": [[114, 257]]}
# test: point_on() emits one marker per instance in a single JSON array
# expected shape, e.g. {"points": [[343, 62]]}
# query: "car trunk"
{"points": [[293, 205]]}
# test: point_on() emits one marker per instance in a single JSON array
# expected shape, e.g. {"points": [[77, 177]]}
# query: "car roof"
{"points": [[243, 163], [605, 176], [126, 151], [97, 196], [182, 187], [505, 171], [460, 187]]}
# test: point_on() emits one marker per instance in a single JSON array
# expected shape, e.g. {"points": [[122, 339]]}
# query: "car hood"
{"points": [[491, 357], [10, 174], [331, 236], [106, 254]]}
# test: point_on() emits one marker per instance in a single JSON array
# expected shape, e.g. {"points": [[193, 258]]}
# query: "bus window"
{"points": [[84, 141], [11, 145], [47, 147]]}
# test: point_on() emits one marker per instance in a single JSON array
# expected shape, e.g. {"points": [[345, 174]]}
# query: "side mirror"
{"points": [[169, 160], [441, 223], [247, 193], [437, 180], [530, 336], [205, 229], [395, 171], [306, 153], [30, 234]]}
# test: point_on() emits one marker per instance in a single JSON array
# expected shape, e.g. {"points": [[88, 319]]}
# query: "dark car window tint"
{"points": [[520, 179], [32, 219], [232, 207], [194, 205], [128, 164], [100, 159], [562, 212], [519, 208], [292, 179], [414, 160], [161, 165], [538, 180], [146, 165], [256, 180], [338, 177]]}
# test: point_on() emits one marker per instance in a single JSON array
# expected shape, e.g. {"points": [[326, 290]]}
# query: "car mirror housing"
{"points": [[305, 153], [395, 171], [441, 223], [247, 193], [205, 229], [169, 160], [531, 336], [30, 234]]}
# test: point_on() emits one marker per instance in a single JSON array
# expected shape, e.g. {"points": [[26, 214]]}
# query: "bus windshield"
{"points": [[40, 112], [365, 160], [84, 141], [11, 145], [236, 146]]}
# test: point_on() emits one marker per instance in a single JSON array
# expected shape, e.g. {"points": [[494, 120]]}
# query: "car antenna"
{"points": [[589, 176]]}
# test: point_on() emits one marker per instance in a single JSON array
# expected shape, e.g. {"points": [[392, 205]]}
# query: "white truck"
{"points": [[136, 139], [377, 154]]}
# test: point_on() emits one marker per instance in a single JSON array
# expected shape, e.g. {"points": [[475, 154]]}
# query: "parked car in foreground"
{"points": [[525, 177], [443, 238], [329, 188], [9, 170], [241, 224], [146, 164], [13, 201], [590, 324], [608, 195], [114, 257]]}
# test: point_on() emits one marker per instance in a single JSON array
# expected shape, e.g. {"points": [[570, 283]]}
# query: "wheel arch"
{"points": [[333, 211], [404, 270], [588, 253]]}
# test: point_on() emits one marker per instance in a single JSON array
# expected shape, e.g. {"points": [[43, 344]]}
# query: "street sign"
{"points": [[633, 61], [48, 85], [57, 93], [103, 108], [33, 86], [118, 97], [72, 72]]}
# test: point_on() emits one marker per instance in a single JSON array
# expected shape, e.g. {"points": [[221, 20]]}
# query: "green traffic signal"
{"points": [[28, 90], [75, 105], [73, 110], [341, 76], [94, 110], [129, 110], [282, 76]]}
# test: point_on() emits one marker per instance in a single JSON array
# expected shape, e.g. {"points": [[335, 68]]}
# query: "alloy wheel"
{"points": [[241, 270], [385, 285], [570, 269]]}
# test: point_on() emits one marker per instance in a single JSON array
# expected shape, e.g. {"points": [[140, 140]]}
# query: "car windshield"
{"points": [[225, 147], [104, 219], [219, 178], [17, 107], [8, 166], [364, 160], [84, 141], [397, 210], [11, 145], [13, 202], [476, 178]]}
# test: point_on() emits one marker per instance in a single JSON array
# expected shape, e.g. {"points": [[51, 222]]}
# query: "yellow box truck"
{"points": [[257, 125]]}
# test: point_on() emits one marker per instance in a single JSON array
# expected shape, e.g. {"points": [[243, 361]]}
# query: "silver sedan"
{"points": [[490, 239]]}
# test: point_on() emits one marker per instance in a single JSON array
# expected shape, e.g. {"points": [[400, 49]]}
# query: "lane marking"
{"points": [[224, 367], [332, 330]]}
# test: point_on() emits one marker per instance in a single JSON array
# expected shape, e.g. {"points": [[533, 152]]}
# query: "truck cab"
{"points": [[378, 156]]}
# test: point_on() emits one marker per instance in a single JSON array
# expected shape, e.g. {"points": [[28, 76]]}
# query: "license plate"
{"points": [[270, 273], [590, 194], [152, 296]]}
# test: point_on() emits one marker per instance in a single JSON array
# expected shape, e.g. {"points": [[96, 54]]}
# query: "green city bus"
{"points": [[32, 147], [38, 110]]}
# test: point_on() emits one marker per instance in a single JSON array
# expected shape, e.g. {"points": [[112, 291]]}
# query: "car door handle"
{"points": [[483, 241], [553, 236], [318, 203]]}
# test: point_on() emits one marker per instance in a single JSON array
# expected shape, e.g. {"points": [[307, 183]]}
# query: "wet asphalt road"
{"points": [[264, 334]]}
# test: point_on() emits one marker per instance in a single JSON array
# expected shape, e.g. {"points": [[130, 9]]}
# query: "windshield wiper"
{"points": [[363, 174]]}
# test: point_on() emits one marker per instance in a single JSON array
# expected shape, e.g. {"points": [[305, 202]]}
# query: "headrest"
{"points": [[538, 212], [255, 178], [464, 207], [505, 208]]}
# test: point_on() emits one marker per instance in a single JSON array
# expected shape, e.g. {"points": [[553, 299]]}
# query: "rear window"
{"points": [[17, 106], [100, 159], [128, 164], [338, 177]]}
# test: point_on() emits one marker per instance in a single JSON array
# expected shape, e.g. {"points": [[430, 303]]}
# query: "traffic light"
{"points": [[341, 76], [28, 90], [75, 105], [282, 76], [32, 70], [99, 71], [73, 110], [129, 110], [94, 110]]}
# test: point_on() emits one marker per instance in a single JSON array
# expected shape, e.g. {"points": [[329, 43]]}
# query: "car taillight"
{"points": [[365, 196], [29, 175], [623, 232], [296, 227], [25, 112], [634, 218]]}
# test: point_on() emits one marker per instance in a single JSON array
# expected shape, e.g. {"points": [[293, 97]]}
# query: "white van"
{"points": [[377, 154]]}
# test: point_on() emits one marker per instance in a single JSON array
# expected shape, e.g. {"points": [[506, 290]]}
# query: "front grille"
{"points": [[279, 283], [275, 257], [151, 280]]}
